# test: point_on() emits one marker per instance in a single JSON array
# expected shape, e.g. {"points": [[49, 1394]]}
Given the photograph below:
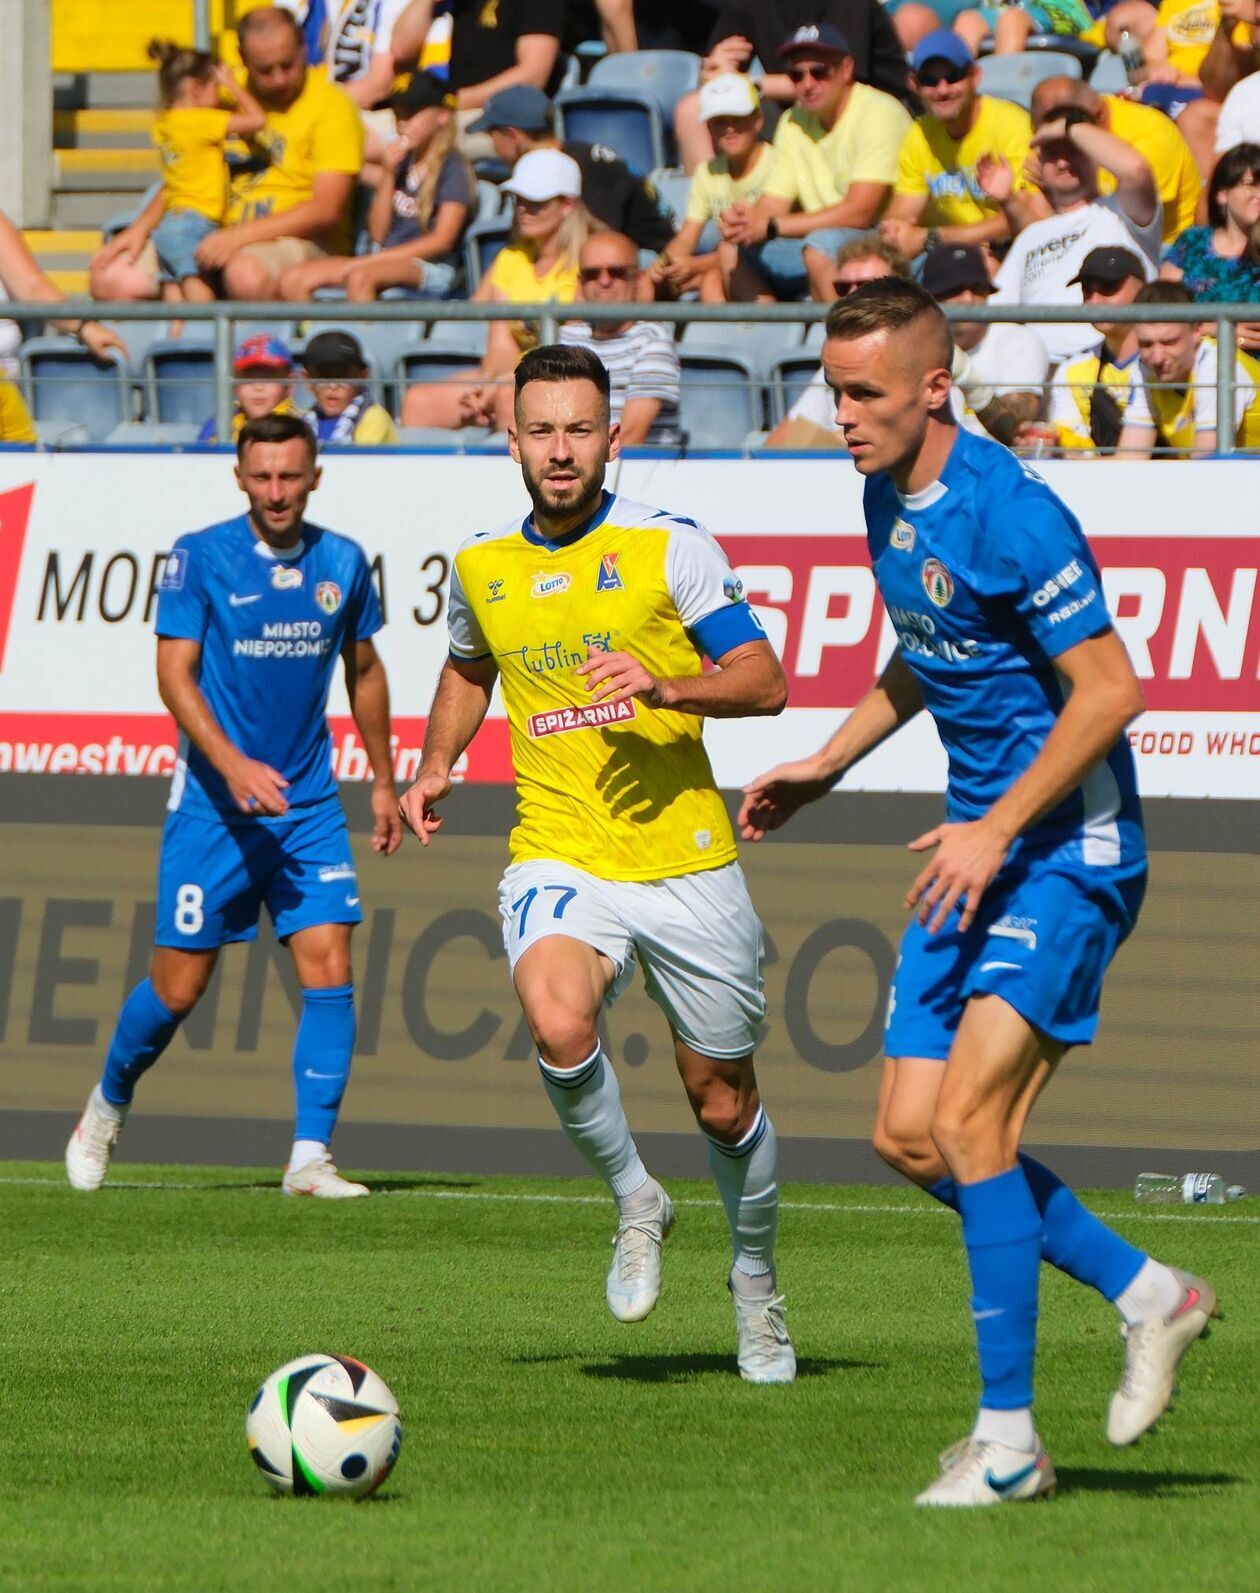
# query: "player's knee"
{"points": [[965, 1130], [720, 1114], [564, 1038], [181, 990], [916, 1159]]}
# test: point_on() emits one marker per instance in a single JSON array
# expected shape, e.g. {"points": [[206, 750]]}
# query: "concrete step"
{"points": [[63, 251], [74, 167], [91, 207], [116, 129], [103, 90], [71, 283]]}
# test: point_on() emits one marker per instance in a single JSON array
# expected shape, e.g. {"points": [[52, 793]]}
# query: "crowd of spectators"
{"points": [[352, 146]]}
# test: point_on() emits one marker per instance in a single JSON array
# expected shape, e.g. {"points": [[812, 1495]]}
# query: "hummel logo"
{"points": [[235, 599]]}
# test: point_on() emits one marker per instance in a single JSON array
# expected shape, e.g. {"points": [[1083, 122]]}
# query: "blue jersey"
{"points": [[271, 626], [987, 578]]}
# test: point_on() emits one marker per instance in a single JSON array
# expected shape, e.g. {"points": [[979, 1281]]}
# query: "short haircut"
{"points": [[1235, 164], [263, 19], [872, 247], [891, 305], [1164, 293], [555, 363], [276, 429]]}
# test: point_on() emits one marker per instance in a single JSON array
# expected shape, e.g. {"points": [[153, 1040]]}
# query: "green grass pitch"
{"points": [[549, 1447]]}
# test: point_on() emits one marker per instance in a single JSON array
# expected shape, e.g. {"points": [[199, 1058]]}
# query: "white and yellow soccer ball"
{"points": [[324, 1424]]}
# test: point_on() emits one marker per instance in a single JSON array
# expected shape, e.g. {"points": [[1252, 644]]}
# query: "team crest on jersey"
{"points": [[938, 583], [902, 537], [328, 596], [494, 591], [551, 585], [173, 571], [286, 577], [609, 577]]}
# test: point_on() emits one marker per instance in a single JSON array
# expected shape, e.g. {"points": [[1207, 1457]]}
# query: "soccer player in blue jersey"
{"points": [[252, 617], [1032, 882]]}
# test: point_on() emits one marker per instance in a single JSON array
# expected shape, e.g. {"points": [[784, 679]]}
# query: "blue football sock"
{"points": [[321, 1059], [144, 1030], [1002, 1232]]}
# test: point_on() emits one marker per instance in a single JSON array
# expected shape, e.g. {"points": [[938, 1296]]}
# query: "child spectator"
{"points": [[422, 204], [190, 131], [264, 368], [343, 413]]}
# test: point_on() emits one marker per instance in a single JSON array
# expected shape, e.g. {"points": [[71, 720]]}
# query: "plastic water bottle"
{"points": [[1130, 53], [1190, 1189]]}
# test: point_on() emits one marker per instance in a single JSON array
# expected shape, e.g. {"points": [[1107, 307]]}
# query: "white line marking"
{"points": [[933, 1210]]}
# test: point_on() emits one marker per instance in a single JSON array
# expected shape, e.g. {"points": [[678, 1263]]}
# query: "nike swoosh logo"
{"points": [[311, 1074], [1005, 1485], [352, 901], [984, 1316], [235, 599], [984, 966]]}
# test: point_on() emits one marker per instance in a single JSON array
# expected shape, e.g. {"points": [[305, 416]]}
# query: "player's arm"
{"points": [[772, 798], [460, 703], [368, 691], [1104, 698], [255, 787], [749, 680]]}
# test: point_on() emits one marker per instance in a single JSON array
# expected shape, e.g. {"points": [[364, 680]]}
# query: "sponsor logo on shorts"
{"points": [[609, 577], [559, 721], [551, 585], [938, 583], [337, 871], [494, 591], [285, 578], [902, 537], [174, 570], [328, 596], [1011, 927]]}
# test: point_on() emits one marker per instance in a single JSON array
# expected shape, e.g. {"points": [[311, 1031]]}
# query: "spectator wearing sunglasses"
{"points": [[639, 356], [838, 149], [937, 198], [1091, 392]]}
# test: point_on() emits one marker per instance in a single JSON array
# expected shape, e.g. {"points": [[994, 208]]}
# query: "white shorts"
{"points": [[697, 936]]}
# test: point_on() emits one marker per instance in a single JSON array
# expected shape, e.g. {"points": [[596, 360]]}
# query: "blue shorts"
{"points": [[1044, 18], [214, 878], [176, 238], [1042, 941]]}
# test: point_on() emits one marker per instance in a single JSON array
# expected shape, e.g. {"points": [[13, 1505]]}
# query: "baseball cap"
{"points": [[419, 91], [953, 266], [819, 39], [730, 94], [545, 174], [261, 352], [333, 354], [522, 106], [1110, 265], [941, 45]]}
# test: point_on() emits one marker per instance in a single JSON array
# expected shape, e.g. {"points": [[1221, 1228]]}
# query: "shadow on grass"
{"points": [[681, 1368], [421, 1181], [1155, 1484]]}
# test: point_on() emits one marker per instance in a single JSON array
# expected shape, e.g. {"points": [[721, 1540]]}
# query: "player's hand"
{"points": [[616, 677], [417, 806], [257, 788], [772, 798], [967, 858], [387, 830], [996, 179]]}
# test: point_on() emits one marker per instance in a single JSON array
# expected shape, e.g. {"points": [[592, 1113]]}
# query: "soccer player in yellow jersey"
{"points": [[594, 614]]}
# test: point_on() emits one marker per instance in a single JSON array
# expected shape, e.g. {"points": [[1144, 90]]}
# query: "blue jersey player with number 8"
{"points": [[252, 617], [1034, 879]]}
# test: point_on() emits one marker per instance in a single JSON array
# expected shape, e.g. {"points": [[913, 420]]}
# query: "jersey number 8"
{"points": [[189, 914]]}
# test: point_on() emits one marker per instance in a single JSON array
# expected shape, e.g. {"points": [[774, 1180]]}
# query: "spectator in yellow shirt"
{"points": [[343, 414], [16, 425], [937, 198]]}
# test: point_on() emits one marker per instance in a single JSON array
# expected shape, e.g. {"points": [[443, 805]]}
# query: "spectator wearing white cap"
{"points": [[730, 107], [539, 264]]}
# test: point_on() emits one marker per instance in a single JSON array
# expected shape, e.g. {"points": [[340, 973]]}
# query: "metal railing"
{"points": [[226, 314]]}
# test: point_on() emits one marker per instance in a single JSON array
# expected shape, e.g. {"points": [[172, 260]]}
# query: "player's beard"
{"points": [[575, 504]]}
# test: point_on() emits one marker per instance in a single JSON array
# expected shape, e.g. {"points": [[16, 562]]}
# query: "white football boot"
{"points": [[981, 1472], [320, 1178], [634, 1279], [92, 1143], [766, 1354], [1152, 1353]]}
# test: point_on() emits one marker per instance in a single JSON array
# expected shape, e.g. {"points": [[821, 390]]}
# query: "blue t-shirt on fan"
{"points": [[271, 624], [988, 578]]}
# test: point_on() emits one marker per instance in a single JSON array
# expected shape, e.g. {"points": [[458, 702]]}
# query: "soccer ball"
{"points": [[324, 1424]]}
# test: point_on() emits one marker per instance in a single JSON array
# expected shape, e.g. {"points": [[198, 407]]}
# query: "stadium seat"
{"points": [[627, 122], [58, 434], [672, 188], [482, 242], [760, 343], [178, 381], [153, 434], [1084, 52], [63, 383], [435, 359], [1109, 75], [720, 402], [440, 437], [790, 375], [664, 75], [489, 200], [1014, 77]]}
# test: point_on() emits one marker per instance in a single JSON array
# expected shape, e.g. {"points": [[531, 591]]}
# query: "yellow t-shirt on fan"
{"points": [[941, 167], [817, 166], [190, 141]]}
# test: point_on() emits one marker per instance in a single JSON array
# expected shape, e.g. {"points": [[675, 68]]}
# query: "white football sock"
{"points": [[1154, 1292], [746, 1175], [1014, 1428], [305, 1150], [587, 1100], [107, 1108]]}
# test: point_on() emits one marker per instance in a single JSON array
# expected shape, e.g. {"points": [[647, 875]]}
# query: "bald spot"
{"points": [[264, 21], [1054, 92]]}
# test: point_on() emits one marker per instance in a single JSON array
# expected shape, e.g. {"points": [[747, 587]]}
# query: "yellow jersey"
{"points": [[942, 168], [1158, 137], [1072, 396], [1183, 411], [16, 425], [817, 166], [194, 171], [513, 278], [714, 190], [320, 132], [624, 792]]}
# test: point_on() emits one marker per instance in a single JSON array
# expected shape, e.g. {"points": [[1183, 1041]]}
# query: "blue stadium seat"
{"points": [[1109, 75], [482, 242], [760, 343], [720, 400], [435, 359], [790, 375], [626, 121], [1014, 77], [63, 383], [489, 200], [664, 75], [178, 381], [672, 188], [153, 434]]}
